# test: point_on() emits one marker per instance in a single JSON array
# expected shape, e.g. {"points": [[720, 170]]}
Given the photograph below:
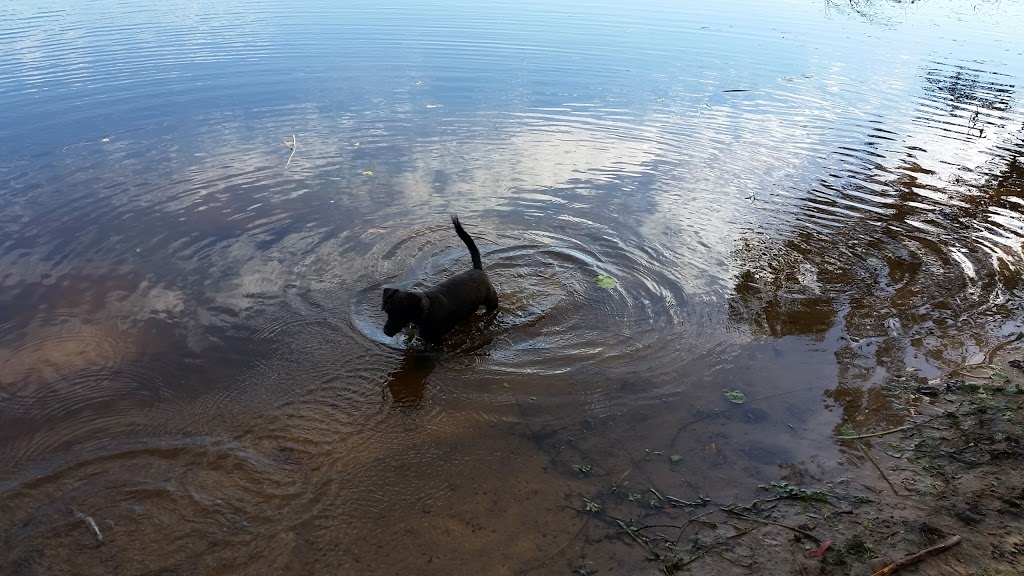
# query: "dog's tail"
{"points": [[469, 243]]}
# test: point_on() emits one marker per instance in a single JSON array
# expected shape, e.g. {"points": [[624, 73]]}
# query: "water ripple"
{"points": [[190, 323], [553, 317]]}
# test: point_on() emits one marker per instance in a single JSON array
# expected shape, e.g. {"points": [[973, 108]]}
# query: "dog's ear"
{"points": [[424, 304], [389, 293]]}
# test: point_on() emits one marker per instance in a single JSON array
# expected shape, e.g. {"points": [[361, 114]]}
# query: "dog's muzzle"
{"points": [[390, 329]]}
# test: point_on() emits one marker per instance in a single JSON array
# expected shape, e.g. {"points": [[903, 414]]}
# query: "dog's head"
{"points": [[403, 308]]}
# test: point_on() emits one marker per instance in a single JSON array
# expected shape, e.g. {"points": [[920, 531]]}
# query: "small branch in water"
{"points": [[615, 485], [687, 523], [679, 502], [902, 428], [635, 537], [883, 433], [639, 528], [293, 145], [773, 523], [90, 523], [914, 558], [874, 463]]}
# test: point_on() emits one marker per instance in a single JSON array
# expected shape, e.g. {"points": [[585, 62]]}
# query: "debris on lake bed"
{"points": [[951, 473], [735, 396], [90, 523]]}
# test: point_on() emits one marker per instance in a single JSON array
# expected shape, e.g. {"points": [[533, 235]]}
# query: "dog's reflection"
{"points": [[407, 383]]}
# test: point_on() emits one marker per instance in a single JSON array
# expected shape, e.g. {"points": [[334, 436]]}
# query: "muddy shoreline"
{"points": [[950, 479]]}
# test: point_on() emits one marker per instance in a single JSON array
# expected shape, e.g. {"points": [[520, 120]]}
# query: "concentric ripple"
{"points": [[553, 315], [202, 202], [53, 349]]}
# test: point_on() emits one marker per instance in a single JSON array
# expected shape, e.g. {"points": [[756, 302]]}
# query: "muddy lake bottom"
{"points": [[759, 267], [530, 494]]}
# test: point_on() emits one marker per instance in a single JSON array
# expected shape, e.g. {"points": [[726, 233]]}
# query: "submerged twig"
{"points": [[914, 558], [900, 429], [678, 563], [635, 537], [773, 523], [871, 458], [90, 523], [615, 485], [741, 563], [877, 467], [883, 433], [687, 523], [679, 502]]}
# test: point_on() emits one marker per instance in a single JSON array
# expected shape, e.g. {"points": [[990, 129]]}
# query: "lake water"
{"points": [[799, 200]]}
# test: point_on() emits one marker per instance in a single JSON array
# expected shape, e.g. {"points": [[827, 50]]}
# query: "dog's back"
{"points": [[458, 297], [439, 309]]}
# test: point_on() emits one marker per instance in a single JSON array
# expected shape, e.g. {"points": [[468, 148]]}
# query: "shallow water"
{"points": [[798, 200]]}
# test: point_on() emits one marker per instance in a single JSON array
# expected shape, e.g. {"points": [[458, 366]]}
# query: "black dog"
{"points": [[437, 310]]}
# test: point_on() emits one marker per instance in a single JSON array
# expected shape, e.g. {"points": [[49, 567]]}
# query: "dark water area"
{"points": [[798, 200]]}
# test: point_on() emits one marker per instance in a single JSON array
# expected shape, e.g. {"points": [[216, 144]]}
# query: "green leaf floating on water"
{"points": [[606, 281], [675, 457], [735, 396]]}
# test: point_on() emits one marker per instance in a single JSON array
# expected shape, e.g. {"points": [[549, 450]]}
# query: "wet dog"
{"points": [[437, 310]]}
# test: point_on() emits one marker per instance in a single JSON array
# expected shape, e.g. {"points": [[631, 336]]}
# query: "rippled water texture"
{"points": [[797, 200]]}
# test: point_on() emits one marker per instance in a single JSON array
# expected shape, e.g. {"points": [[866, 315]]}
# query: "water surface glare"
{"points": [[799, 200]]}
